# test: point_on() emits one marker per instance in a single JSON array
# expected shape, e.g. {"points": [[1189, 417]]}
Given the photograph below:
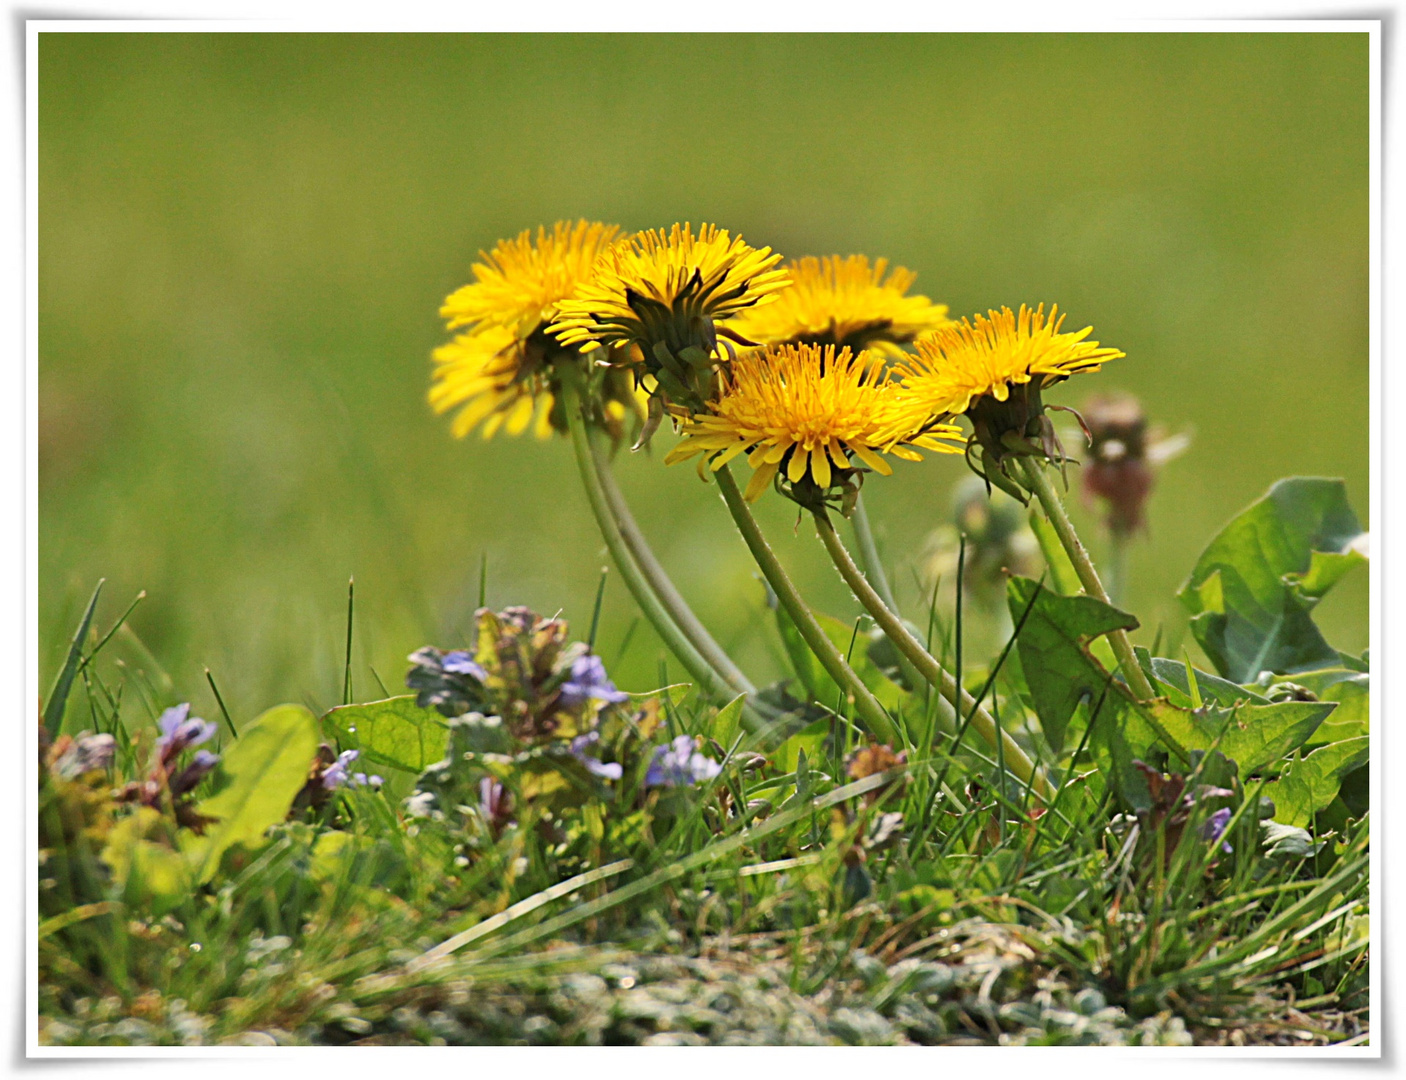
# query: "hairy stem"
{"points": [[996, 737], [658, 579], [712, 684], [1117, 567], [1039, 482], [865, 704]]}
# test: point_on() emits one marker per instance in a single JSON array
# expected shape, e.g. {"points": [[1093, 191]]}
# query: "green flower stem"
{"points": [[658, 579], [1039, 482], [865, 704], [996, 736], [874, 570], [1117, 567], [869, 554], [713, 685]]}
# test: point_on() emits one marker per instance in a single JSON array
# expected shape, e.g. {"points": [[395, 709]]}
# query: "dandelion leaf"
{"points": [[1311, 783], [1252, 591], [1054, 647]]}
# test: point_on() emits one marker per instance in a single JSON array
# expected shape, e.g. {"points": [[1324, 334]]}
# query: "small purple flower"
{"points": [[1214, 827], [335, 775], [589, 682], [362, 780], [180, 730], [199, 767], [91, 753], [460, 662], [678, 764], [606, 770]]}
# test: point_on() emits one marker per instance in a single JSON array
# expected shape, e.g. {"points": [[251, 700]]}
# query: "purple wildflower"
{"points": [[589, 682], [362, 780], [1214, 827], [180, 730], [460, 662], [199, 767], [607, 770], [678, 764], [335, 775], [92, 753]]}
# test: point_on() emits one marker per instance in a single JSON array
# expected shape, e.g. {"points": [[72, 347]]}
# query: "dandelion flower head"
{"points": [[657, 287], [807, 408], [845, 300], [986, 356], [497, 371]]}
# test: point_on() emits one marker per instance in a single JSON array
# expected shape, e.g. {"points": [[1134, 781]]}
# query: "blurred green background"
{"points": [[244, 241]]}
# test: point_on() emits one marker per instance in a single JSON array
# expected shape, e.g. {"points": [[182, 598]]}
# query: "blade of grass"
{"points": [[58, 696], [595, 611]]}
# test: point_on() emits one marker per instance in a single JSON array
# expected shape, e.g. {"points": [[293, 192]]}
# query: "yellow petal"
{"points": [[837, 454], [873, 460], [820, 466], [519, 416], [760, 480], [796, 467], [728, 454], [543, 429]]}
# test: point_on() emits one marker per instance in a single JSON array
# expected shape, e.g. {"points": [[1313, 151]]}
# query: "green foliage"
{"points": [[1254, 736], [394, 733], [58, 696], [1172, 677], [1253, 589], [1054, 652], [1310, 783], [262, 772], [853, 644], [1062, 575]]}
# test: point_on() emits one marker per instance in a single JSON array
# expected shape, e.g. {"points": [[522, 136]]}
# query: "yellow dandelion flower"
{"points": [[498, 372], [669, 288], [985, 357], [844, 301], [806, 409], [520, 283]]}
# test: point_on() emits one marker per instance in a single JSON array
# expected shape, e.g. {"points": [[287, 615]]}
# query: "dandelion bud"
{"points": [[1118, 471]]}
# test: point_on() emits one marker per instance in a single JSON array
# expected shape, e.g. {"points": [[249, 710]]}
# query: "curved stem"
{"points": [[874, 570], [869, 554], [712, 684], [865, 704], [1039, 482], [1117, 567], [658, 579], [996, 736]]}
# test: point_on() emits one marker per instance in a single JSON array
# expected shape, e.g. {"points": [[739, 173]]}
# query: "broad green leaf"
{"points": [[1253, 736], [805, 743], [1172, 675], [852, 645], [1054, 651], [394, 733], [1063, 576], [1253, 588], [1351, 690], [727, 722], [264, 769], [1311, 783], [813, 677], [1287, 843]]}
